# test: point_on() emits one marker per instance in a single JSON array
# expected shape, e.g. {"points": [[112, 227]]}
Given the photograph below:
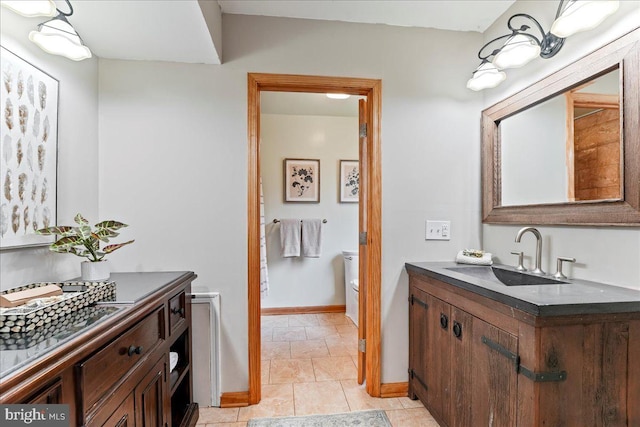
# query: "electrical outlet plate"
{"points": [[438, 230]]}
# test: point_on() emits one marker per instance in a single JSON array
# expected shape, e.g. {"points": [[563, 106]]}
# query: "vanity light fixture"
{"points": [[30, 8], [56, 36], [338, 95], [520, 46]]}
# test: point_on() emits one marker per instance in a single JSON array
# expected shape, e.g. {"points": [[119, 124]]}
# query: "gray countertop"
{"points": [[575, 297]]}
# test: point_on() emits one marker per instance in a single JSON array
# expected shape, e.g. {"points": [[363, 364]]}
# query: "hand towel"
{"points": [[311, 238], [461, 258], [290, 237]]}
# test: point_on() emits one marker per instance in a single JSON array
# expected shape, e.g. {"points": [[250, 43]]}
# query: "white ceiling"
{"points": [[175, 30], [457, 15]]}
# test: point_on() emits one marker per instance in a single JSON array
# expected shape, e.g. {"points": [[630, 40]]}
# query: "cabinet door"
{"points": [[494, 377], [461, 373], [437, 357], [52, 394], [124, 415], [150, 397], [418, 338]]}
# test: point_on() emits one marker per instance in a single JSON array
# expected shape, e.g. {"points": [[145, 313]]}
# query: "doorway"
{"points": [[370, 213]]}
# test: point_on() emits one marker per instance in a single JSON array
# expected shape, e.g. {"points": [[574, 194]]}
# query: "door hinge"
{"points": [[533, 376], [362, 345], [363, 238], [413, 375], [363, 130], [414, 300]]}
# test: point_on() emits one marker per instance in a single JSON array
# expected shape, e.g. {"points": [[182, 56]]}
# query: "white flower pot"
{"points": [[94, 271]]}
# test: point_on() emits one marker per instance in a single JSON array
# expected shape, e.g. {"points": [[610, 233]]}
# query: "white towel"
{"points": [[290, 237], [311, 238], [464, 259]]}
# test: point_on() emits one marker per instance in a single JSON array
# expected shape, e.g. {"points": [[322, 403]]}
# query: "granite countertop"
{"points": [[18, 350], [572, 298]]}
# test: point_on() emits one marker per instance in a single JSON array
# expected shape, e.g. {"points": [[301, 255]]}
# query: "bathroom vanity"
{"points": [[112, 365], [484, 353]]}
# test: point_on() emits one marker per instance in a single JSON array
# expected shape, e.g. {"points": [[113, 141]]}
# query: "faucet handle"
{"points": [[520, 254], [558, 274]]}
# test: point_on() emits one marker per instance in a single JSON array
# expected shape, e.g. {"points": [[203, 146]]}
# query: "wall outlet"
{"points": [[438, 230]]}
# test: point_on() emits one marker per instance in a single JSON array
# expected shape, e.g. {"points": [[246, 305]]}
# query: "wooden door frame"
{"points": [[372, 89]]}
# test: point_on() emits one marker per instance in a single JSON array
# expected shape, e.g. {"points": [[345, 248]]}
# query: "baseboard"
{"points": [[305, 310], [234, 399], [394, 390]]}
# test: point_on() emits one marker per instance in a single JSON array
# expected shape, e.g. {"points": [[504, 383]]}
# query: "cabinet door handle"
{"points": [[457, 329], [444, 321], [134, 350], [180, 311]]}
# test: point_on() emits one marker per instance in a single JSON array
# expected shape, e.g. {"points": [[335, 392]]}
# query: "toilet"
{"points": [[351, 286]]}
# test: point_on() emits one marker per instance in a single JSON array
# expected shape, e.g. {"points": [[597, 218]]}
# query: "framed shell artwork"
{"points": [[28, 152]]}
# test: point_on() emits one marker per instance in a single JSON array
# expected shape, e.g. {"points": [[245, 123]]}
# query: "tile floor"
{"points": [[309, 367]]}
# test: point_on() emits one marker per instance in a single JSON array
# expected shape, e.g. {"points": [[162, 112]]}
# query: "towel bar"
{"points": [[275, 221]]}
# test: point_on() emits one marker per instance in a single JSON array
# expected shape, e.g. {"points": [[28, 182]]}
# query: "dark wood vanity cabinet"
{"points": [[118, 374], [474, 361], [453, 373]]}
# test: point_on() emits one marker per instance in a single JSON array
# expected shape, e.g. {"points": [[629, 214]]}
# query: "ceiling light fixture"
{"points": [[520, 46], [338, 95], [56, 36], [30, 8]]}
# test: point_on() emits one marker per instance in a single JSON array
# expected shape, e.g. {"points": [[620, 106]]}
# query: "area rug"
{"points": [[362, 418]]}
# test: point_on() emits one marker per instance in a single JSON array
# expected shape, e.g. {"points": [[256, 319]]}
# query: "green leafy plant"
{"points": [[83, 240]]}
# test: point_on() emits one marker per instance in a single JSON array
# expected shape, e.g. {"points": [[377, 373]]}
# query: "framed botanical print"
{"points": [[349, 181], [28, 158], [302, 180]]}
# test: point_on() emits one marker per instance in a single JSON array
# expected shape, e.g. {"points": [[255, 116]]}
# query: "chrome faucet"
{"points": [[538, 269]]}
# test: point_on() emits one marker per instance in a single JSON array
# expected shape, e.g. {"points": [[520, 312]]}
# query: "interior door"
{"points": [[362, 267]]}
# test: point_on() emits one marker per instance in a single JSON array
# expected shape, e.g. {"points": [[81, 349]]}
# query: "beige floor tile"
{"points": [[266, 334], [408, 403], [281, 320], [347, 330], [309, 349], [333, 319], [264, 371], [290, 333], [417, 417], [277, 401], [359, 399], [339, 346], [319, 398], [334, 368], [303, 320], [217, 415], [291, 371], [318, 332], [276, 350], [236, 424]]}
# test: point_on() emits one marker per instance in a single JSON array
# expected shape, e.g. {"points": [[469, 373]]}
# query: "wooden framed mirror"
{"points": [[566, 150]]}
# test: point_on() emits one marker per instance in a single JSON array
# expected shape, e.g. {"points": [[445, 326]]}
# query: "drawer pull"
{"points": [[444, 321], [457, 330], [180, 311], [134, 350]]}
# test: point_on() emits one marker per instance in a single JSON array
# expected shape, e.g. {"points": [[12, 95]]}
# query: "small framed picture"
{"points": [[349, 181], [302, 180]]}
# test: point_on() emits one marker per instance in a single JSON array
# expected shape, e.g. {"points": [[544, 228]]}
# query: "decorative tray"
{"points": [[42, 311]]}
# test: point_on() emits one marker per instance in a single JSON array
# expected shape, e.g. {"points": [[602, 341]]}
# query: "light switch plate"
{"points": [[438, 230]]}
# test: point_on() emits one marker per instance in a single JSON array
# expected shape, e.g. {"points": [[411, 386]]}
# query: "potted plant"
{"points": [[84, 241]]}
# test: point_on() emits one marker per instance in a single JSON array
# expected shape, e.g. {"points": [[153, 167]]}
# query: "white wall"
{"points": [[77, 152], [608, 255], [173, 156], [299, 281]]}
